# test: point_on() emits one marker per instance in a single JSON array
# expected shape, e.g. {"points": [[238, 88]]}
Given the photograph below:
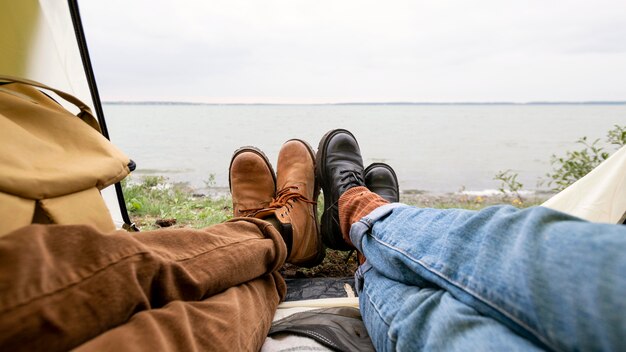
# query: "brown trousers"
{"points": [[65, 287]]}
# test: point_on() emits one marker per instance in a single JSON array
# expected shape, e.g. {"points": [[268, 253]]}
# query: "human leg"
{"points": [[293, 210], [234, 320], [240, 317], [402, 317], [506, 264], [69, 284], [63, 285], [398, 316], [552, 278], [421, 315]]}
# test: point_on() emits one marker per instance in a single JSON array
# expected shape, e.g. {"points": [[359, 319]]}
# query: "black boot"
{"points": [[382, 180], [339, 167]]}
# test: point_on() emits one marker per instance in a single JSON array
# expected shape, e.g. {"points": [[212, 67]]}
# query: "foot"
{"points": [[295, 204], [381, 179], [339, 168], [251, 180]]}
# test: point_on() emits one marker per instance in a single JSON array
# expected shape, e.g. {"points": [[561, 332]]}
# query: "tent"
{"points": [[43, 40]]}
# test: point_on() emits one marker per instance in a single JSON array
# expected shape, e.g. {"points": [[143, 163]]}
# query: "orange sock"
{"points": [[354, 204]]}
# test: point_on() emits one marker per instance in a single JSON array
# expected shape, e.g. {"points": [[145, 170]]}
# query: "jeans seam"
{"points": [[468, 291], [382, 317]]}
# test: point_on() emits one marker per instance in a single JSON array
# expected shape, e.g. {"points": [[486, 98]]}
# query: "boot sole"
{"points": [[321, 248], [331, 237], [256, 151]]}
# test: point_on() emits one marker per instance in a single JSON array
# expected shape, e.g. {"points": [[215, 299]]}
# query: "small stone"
{"points": [[165, 222]]}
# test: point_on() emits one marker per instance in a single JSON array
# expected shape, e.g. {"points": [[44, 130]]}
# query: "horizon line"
{"points": [[163, 102]]}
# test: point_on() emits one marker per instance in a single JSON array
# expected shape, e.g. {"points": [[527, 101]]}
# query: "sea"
{"points": [[433, 148]]}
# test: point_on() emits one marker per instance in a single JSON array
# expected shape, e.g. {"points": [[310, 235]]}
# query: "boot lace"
{"points": [[249, 212], [284, 197], [350, 178], [288, 194]]}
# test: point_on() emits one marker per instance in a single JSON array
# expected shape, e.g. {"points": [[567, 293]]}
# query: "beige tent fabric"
{"points": [[600, 196], [38, 42]]}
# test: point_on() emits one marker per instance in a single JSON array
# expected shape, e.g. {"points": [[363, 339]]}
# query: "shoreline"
{"points": [[427, 199], [421, 198]]}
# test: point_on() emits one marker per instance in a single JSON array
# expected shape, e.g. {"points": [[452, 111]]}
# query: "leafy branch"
{"points": [[576, 164]]}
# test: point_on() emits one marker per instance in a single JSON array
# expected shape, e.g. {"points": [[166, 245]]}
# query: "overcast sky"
{"points": [[302, 51]]}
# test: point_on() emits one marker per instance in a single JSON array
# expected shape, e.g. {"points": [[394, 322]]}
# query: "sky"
{"points": [[323, 51]]}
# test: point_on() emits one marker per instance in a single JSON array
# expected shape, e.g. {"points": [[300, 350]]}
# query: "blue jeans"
{"points": [[497, 279]]}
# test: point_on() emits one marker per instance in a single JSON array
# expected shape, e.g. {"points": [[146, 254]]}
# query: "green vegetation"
{"points": [[576, 164], [153, 199], [569, 168], [510, 186]]}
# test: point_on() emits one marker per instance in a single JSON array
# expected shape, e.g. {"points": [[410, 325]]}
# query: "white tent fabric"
{"points": [[600, 196], [39, 43]]}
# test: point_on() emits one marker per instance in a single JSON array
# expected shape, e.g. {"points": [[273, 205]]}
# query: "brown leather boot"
{"points": [[251, 180], [295, 204]]}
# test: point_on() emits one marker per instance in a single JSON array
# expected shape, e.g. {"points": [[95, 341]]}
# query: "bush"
{"points": [[510, 186], [576, 164]]}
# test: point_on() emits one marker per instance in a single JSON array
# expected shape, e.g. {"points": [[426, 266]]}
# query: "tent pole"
{"points": [[95, 97]]}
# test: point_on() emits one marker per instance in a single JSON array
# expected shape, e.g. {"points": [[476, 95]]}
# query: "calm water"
{"points": [[433, 148]]}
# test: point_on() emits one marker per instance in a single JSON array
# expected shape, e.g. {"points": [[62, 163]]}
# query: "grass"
{"points": [[152, 199]]}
